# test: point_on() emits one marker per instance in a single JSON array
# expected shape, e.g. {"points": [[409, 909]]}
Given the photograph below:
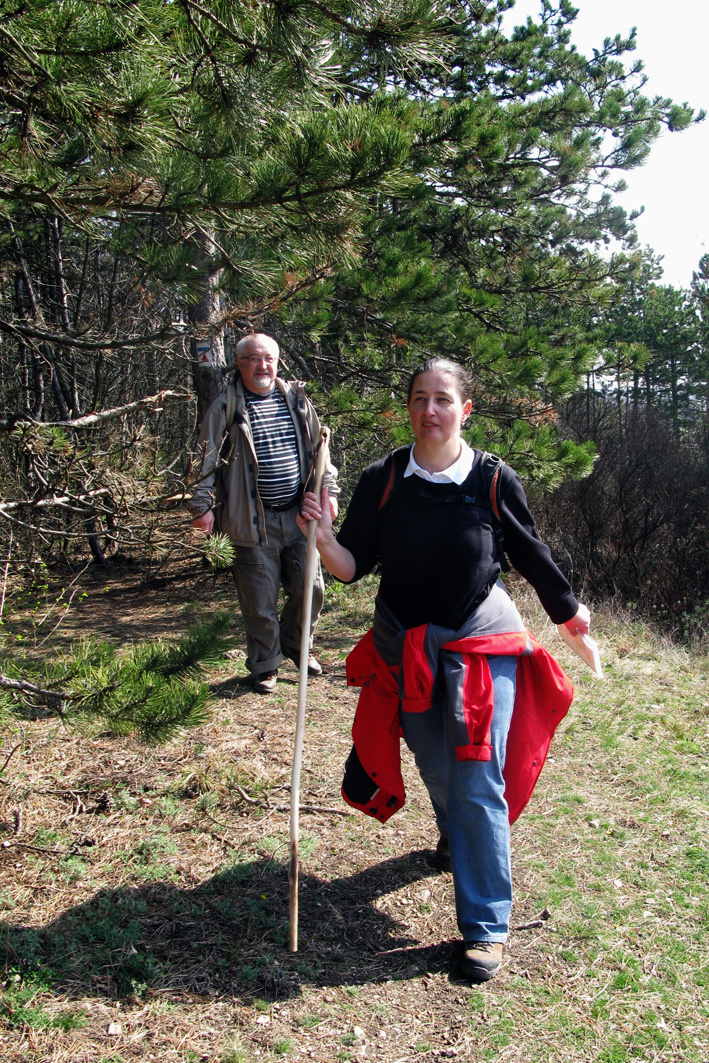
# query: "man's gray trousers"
{"points": [[259, 572]]}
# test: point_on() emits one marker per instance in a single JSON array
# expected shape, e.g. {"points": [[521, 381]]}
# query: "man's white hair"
{"points": [[265, 341]]}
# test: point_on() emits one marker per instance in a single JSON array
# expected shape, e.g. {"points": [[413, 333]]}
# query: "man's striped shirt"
{"points": [[276, 447]]}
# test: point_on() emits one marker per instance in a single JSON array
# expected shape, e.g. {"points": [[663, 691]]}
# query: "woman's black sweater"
{"points": [[436, 549]]}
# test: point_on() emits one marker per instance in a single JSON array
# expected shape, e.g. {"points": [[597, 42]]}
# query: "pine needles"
{"points": [[153, 689], [219, 551]]}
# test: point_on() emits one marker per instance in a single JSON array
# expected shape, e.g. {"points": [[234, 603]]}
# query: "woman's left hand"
{"points": [[579, 624]]}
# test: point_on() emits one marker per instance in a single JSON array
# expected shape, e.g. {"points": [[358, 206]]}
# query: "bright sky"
{"points": [[672, 185]]}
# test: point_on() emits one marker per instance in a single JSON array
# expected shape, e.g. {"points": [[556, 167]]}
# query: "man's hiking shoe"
{"points": [[480, 960], [314, 667], [442, 858], [265, 683]]}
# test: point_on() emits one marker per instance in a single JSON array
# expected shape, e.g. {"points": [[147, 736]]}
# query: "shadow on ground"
{"points": [[227, 937]]}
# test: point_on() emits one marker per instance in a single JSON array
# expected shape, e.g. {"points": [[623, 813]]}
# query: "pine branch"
{"points": [[149, 690], [203, 646], [219, 552]]}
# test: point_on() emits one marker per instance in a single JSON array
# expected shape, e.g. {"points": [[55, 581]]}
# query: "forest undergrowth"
{"points": [[144, 890]]}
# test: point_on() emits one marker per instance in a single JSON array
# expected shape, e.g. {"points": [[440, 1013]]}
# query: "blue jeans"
{"points": [[468, 798]]}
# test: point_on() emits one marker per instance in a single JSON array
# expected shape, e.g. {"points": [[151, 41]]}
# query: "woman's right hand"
{"points": [[336, 558], [321, 511]]}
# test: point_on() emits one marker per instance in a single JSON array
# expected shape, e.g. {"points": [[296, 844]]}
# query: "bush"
{"points": [[636, 529]]}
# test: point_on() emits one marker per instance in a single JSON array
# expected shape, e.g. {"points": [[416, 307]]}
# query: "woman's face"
{"points": [[436, 409]]}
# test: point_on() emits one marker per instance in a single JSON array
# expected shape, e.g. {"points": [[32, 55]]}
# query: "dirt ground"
{"points": [[144, 891]]}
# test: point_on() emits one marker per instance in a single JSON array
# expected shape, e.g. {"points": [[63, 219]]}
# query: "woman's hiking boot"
{"points": [[480, 960]]}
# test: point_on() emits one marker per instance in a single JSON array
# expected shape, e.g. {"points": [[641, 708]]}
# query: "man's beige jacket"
{"points": [[242, 517]]}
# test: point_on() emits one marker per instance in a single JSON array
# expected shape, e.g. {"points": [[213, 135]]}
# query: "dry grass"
{"points": [[145, 893]]}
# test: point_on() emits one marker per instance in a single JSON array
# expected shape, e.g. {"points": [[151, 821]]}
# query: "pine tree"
{"points": [[168, 169], [700, 293], [493, 256], [375, 180], [652, 351]]}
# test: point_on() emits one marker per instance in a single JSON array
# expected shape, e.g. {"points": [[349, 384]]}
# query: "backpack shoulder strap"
{"points": [[220, 492], [491, 468], [230, 406], [396, 467], [227, 442], [303, 427]]}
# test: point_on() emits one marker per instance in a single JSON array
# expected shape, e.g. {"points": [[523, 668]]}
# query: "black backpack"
{"points": [[490, 468]]}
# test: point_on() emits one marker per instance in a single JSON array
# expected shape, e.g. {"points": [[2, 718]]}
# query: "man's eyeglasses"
{"points": [[256, 359]]}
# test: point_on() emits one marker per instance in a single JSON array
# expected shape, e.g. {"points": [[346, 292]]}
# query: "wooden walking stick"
{"points": [[311, 558]]}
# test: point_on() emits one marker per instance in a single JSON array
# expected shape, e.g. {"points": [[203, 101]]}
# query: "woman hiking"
{"points": [[448, 662]]}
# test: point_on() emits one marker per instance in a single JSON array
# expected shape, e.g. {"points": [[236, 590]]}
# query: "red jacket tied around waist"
{"points": [[402, 668]]}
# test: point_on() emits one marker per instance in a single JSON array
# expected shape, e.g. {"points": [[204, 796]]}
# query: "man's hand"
{"points": [[580, 623], [204, 523]]}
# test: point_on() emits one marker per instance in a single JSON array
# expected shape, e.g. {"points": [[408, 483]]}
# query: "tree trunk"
{"points": [[207, 341]]}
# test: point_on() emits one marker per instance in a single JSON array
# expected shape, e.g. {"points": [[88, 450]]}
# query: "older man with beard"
{"points": [[268, 448]]}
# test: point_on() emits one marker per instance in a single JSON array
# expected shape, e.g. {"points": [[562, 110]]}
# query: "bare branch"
{"points": [[29, 688], [62, 500], [66, 340], [90, 420], [4, 575]]}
